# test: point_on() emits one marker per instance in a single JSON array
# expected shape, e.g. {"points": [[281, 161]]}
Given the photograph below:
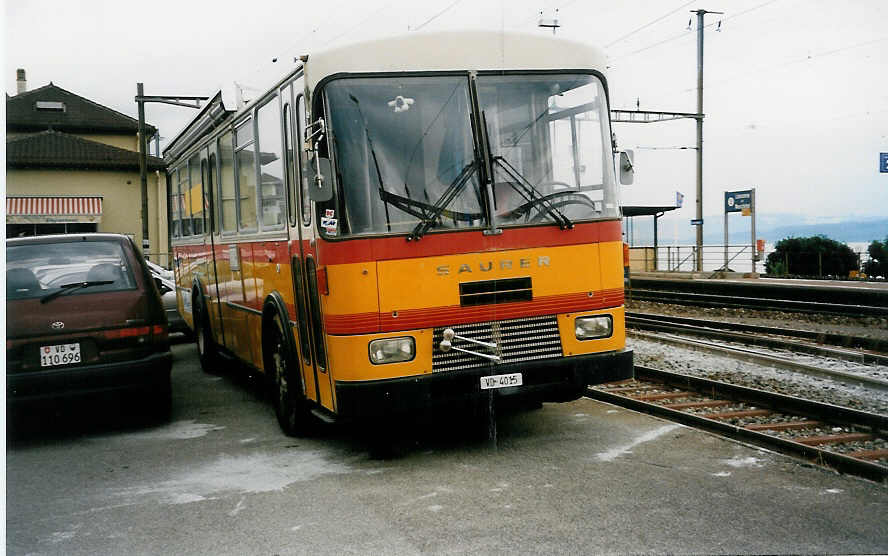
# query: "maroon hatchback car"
{"points": [[83, 317]]}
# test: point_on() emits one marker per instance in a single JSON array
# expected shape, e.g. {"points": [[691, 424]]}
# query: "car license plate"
{"points": [[61, 354], [500, 381]]}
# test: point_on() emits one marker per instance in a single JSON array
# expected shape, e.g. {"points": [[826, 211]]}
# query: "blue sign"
{"points": [[736, 201], [883, 163], [697, 222]]}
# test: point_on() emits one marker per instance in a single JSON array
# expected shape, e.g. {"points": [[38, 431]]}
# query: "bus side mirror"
{"points": [[320, 187], [627, 170]]}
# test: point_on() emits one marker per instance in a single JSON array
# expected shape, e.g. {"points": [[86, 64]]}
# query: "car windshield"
{"points": [[404, 151], [550, 147], [40, 269]]}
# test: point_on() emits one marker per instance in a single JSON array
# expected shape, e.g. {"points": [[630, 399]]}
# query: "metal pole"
{"points": [[143, 163], [725, 267], [752, 214], [700, 14], [656, 247]]}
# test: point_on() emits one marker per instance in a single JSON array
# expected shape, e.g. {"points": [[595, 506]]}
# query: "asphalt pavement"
{"points": [[582, 477]]}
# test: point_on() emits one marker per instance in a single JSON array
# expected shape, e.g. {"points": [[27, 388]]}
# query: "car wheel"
{"points": [[286, 383], [207, 351]]}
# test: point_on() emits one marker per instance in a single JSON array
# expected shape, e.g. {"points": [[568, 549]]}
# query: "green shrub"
{"points": [[811, 256]]}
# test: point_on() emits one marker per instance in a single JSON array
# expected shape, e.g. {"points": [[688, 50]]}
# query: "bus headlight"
{"points": [[589, 328], [392, 350]]}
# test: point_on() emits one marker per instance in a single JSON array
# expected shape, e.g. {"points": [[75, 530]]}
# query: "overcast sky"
{"points": [[796, 96]]}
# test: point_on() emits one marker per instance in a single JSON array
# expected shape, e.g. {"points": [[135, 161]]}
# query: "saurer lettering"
{"points": [[487, 266]]}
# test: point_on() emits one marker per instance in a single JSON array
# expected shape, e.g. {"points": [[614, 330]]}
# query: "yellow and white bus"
{"points": [[408, 223]]}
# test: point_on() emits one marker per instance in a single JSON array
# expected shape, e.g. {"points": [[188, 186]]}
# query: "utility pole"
{"points": [[700, 14], [143, 163], [141, 99]]}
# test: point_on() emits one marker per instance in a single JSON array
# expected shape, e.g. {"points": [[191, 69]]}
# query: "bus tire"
{"points": [[285, 381], [207, 351]]}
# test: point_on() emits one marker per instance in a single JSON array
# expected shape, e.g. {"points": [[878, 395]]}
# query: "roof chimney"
{"points": [[21, 83]]}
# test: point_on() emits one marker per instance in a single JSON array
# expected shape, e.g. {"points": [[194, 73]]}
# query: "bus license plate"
{"points": [[500, 381], [61, 354]]}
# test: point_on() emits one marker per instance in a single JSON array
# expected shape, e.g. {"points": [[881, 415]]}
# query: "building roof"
{"points": [[62, 110], [53, 149]]}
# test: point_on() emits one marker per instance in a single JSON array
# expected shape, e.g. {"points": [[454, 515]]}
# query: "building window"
{"points": [[49, 106]]}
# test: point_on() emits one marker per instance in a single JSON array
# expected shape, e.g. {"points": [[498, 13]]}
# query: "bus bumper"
{"points": [[556, 380]]}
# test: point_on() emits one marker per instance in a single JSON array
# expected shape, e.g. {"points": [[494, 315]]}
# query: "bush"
{"points": [[811, 256], [878, 263]]}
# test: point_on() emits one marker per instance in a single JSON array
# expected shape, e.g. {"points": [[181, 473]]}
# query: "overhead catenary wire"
{"points": [[436, 16], [688, 33], [772, 67], [646, 25]]}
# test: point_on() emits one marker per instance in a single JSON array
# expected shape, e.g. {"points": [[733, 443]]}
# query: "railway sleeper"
{"points": [[789, 427]]}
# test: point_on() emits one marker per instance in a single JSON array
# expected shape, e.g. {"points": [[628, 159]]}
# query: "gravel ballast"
{"points": [[727, 369]]}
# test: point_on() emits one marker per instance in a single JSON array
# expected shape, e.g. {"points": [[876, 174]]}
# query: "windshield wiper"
{"points": [[68, 288], [532, 194], [427, 219]]}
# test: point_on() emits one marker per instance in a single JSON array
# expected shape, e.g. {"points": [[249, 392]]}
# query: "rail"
{"points": [[853, 444]]}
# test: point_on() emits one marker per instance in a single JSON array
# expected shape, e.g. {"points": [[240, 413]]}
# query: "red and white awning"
{"points": [[53, 210]]}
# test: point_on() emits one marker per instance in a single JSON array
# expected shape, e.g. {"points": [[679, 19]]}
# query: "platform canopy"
{"points": [[629, 210]]}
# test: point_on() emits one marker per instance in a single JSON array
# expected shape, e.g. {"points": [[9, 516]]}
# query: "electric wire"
{"points": [[687, 33], [646, 25], [436, 16]]}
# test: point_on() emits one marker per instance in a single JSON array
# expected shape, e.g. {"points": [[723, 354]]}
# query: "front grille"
{"points": [[495, 291], [525, 339]]}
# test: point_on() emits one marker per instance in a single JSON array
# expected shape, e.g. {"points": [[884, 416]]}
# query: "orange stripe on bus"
{"points": [[452, 315], [453, 243]]}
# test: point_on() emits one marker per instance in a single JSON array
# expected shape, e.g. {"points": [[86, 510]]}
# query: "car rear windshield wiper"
{"points": [[430, 217], [68, 288], [532, 194]]}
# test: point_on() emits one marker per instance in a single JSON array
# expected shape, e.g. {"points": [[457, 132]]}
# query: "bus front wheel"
{"points": [[289, 402]]}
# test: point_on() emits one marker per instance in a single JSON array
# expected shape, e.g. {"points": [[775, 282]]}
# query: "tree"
{"points": [[878, 263], [811, 256]]}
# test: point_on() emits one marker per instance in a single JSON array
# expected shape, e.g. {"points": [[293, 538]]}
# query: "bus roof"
{"points": [[454, 50]]}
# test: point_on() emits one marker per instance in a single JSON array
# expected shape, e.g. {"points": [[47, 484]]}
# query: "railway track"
{"points": [[741, 302], [798, 341], [847, 440]]}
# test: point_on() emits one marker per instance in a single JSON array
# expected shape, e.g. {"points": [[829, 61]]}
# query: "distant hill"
{"points": [[770, 227], [849, 231]]}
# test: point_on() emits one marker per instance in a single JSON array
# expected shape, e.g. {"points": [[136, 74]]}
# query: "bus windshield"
{"points": [[404, 150]]}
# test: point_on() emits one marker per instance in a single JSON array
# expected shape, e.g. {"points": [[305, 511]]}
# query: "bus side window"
{"points": [[195, 195], [210, 191], [227, 198], [303, 160], [173, 195], [289, 163], [271, 168], [245, 174], [302, 314], [311, 273], [184, 204]]}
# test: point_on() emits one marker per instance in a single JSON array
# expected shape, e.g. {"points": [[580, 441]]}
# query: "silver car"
{"points": [[167, 288]]}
